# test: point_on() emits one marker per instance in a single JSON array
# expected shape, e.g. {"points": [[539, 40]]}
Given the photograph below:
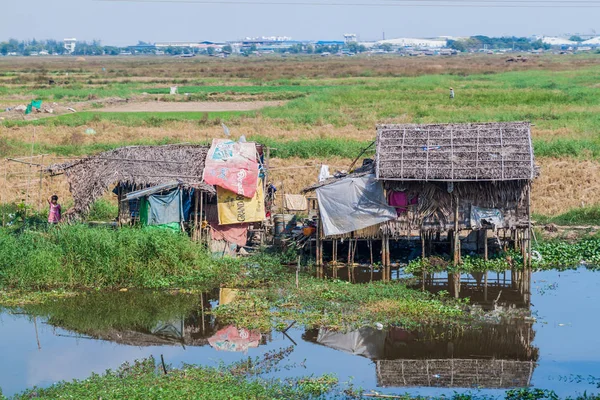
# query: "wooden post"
{"points": [[385, 256], [4, 190], [196, 235], [423, 259], [319, 248], [529, 228], [485, 246], [120, 205], [456, 249], [41, 184]]}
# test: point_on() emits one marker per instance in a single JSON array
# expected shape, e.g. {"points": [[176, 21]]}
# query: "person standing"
{"points": [[54, 214], [451, 94]]}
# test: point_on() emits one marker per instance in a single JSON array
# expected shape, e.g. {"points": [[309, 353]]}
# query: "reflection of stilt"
{"points": [[202, 312], [485, 287], [37, 337]]}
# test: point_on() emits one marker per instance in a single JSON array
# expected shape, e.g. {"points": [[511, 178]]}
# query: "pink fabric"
{"points": [[400, 201], [234, 233], [54, 214], [232, 166]]}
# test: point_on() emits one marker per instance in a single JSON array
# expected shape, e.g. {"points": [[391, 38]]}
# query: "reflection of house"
{"points": [[488, 356], [437, 181]]}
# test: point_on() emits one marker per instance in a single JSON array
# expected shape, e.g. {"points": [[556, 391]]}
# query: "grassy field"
{"points": [[331, 108]]}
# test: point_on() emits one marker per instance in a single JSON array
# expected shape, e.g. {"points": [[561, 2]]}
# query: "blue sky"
{"points": [[125, 23]]}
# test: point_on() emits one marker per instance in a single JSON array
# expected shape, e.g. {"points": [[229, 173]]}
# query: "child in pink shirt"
{"points": [[55, 211]]}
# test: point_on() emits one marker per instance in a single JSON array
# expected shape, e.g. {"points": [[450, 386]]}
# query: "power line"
{"points": [[392, 3]]}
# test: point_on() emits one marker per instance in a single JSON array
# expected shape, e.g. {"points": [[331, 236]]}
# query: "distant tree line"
{"points": [[474, 43], [95, 47]]}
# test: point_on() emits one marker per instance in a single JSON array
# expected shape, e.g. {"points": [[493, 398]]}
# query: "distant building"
{"points": [[350, 38], [415, 42], [594, 42], [558, 41], [69, 45]]}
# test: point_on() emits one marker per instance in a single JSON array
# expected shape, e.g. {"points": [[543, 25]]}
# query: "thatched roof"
{"points": [[455, 152], [91, 177]]}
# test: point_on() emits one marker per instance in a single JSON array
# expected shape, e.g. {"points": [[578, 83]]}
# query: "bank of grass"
{"points": [[338, 305], [145, 379], [81, 257]]}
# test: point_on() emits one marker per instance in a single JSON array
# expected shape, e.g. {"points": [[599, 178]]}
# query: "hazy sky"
{"points": [[126, 23]]}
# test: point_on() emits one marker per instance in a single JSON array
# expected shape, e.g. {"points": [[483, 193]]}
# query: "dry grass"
{"points": [[182, 131], [163, 69], [564, 184]]}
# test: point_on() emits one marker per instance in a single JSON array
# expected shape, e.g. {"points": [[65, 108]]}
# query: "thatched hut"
{"points": [[132, 168], [451, 179]]}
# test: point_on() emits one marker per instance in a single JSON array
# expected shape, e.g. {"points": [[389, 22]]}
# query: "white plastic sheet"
{"points": [[352, 204], [491, 216]]}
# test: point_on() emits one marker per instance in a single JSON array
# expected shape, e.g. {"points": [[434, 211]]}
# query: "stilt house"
{"points": [[438, 182]]}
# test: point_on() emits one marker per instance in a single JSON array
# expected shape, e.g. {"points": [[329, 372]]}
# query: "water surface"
{"points": [[70, 339]]}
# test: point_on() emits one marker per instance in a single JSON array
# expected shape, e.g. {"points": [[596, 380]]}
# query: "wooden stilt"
{"points": [[456, 249], [385, 256], [423, 259], [319, 249], [485, 246], [196, 235]]}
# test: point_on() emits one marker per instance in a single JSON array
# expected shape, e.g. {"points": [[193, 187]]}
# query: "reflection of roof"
{"points": [[465, 373], [142, 339]]}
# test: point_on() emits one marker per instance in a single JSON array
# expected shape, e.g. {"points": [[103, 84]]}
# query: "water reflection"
{"points": [[91, 333], [487, 356]]}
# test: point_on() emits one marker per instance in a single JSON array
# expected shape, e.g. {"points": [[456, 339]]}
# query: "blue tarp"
{"points": [[165, 209]]}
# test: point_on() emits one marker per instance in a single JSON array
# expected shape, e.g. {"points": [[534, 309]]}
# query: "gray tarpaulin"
{"points": [[352, 204], [165, 209], [366, 341], [489, 216]]}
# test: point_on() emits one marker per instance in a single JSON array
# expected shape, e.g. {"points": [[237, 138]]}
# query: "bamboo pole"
{"points": [[29, 173], [456, 249], [196, 236], [423, 259], [2, 192], [41, 185], [485, 245]]}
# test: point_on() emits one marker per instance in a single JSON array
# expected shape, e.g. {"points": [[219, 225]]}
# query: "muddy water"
{"points": [[71, 339]]}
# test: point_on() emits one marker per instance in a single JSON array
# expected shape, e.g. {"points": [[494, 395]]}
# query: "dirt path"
{"points": [[159, 106]]}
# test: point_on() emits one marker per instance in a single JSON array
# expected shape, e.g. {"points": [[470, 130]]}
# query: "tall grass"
{"points": [[577, 216], [83, 257]]}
